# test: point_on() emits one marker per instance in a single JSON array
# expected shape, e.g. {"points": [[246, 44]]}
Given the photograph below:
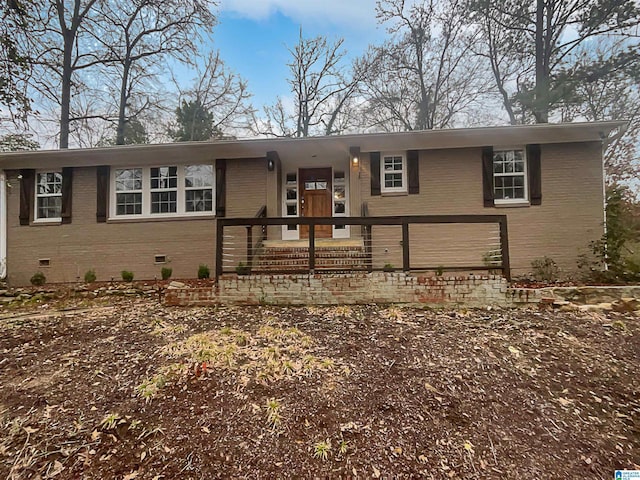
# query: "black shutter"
{"points": [[487, 176], [67, 194], [535, 174], [221, 183], [412, 167], [374, 163], [102, 192], [26, 195]]}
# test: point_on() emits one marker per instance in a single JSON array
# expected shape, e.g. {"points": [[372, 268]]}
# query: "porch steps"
{"points": [[296, 259]]}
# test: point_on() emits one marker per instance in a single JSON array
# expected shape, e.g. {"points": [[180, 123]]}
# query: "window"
{"points": [[339, 196], [198, 184], [129, 191], [394, 173], [163, 191], [48, 196], [509, 182], [291, 197]]}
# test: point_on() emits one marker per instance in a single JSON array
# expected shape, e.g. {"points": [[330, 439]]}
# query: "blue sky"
{"points": [[253, 36]]}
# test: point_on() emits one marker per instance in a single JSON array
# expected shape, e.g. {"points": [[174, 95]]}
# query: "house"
{"points": [[142, 207]]}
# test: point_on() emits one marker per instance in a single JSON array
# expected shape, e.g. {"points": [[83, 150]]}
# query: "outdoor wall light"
{"points": [[354, 152], [271, 165]]}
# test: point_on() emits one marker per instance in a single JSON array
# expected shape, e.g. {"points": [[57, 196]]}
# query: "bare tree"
{"points": [[64, 51], [322, 87], [615, 96], [543, 39], [426, 75], [141, 34], [218, 93]]}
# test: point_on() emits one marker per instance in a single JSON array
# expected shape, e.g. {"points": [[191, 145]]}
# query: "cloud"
{"points": [[354, 12]]}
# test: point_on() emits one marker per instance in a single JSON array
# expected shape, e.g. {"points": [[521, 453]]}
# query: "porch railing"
{"points": [[495, 256]]}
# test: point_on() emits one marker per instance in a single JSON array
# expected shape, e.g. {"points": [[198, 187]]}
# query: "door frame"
{"points": [[336, 182]]}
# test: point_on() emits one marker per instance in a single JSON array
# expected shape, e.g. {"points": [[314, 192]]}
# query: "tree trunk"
{"points": [[122, 107], [65, 94], [541, 97]]}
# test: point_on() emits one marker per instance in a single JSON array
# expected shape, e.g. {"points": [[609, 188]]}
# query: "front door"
{"points": [[315, 199]]}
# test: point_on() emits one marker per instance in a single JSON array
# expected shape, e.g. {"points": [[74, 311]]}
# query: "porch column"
{"points": [[274, 192], [355, 197]]}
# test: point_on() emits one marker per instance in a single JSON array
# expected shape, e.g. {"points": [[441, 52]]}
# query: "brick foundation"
{"points": [[353, 288]]}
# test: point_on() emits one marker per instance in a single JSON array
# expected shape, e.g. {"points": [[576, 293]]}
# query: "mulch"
{"points": [[127, 388]]}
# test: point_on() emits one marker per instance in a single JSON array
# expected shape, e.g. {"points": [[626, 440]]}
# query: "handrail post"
{"points": [[504, 247], [368, 246], [219, 245], [250, 245], [312, 247], [405, 246]]}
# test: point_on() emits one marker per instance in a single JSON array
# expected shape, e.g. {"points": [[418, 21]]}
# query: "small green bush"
{"points": [[90, 276], [243, 269], [166, 273], [127, 276], [203, 271], [388, 267], [38, 279]]}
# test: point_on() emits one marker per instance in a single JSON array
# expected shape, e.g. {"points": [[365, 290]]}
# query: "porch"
{"points": [[409, 244]]}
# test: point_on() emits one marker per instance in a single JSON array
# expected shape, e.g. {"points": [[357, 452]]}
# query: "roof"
{"points": [[314, 146]]}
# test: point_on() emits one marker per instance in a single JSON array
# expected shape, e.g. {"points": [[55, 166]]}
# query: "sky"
{"points": [[253, 36]]}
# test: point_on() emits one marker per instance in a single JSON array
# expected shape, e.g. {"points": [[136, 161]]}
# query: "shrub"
{"points": [[545, 270], [90, 276], [439, 271], [38, 279], [388, 267], [243, 269], [166, 273], [203, 271], [612, 249], [127, 276]]}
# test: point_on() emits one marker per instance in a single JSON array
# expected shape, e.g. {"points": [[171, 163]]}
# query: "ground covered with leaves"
{"points": [[128, 388]]}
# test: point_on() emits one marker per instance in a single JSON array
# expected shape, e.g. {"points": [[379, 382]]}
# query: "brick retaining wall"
{"points": [[354, 288]]}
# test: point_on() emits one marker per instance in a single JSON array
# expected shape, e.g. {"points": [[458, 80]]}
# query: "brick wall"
{"points": [[571, 214], [119, 245], [356, 288]]}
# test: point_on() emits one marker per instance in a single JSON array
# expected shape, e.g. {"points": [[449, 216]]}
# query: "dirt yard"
{"points": [[127, 388]]}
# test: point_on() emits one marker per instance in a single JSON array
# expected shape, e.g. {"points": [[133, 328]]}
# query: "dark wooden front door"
{"points": [[315, 199]]}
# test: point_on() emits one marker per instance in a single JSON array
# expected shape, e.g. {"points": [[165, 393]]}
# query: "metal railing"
{"points": [[315, 256]]}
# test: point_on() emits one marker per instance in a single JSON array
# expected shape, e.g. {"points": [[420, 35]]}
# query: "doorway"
{"points": [[315, 187]]}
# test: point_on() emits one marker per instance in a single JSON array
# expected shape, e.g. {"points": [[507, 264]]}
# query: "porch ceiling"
{"points": [[301, 148]]}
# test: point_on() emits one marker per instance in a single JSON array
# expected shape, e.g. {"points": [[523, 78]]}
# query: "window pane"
{"points": [[49, 207], [338, 176], [49, 183], [198, 176], [339, 193], [163, 202], [292, 209], [130, 179], [292, 194], [393, 180], [339, 208], [164, 177], [291, 178], [392, 164], [199, 200], [129, 204]]}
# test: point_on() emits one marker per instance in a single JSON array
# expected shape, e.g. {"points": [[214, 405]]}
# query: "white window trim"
{"points": [[525, 175], [35, 198], [146, 193], [404, 187]]}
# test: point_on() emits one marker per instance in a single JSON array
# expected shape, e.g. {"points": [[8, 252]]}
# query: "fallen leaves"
{"points": [[473, 394]]}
